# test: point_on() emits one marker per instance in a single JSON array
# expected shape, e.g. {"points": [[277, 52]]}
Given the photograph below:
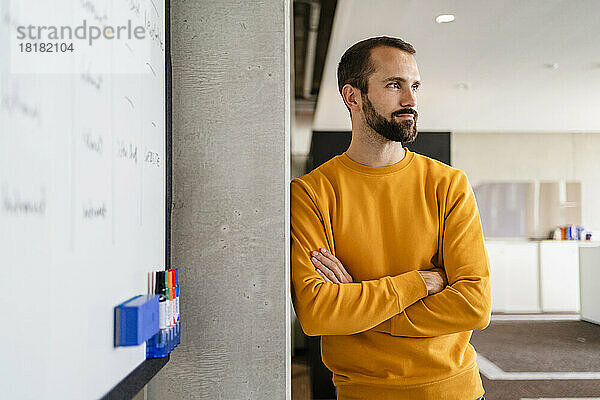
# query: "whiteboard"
{"points": [[82, 192]]}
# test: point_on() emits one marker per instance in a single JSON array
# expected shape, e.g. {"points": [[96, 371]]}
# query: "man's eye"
{"points": [[394, 84], [415, 87]]}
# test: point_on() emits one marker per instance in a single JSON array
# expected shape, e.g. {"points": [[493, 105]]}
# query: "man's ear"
{"points": [[351, 96]]}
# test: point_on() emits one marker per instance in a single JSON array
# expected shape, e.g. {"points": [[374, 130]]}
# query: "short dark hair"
{"points": [[356, 66]]}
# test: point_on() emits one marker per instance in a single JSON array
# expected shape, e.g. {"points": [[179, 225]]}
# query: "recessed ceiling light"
{"points": [[463, 85], [444, 18], [553, 66]]}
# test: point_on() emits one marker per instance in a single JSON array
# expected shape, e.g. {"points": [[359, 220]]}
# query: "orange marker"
{"points": [[171, 298]]}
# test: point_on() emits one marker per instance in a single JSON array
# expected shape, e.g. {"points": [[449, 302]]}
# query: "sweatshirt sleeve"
{"points": [[465, 304], [338, 309]]}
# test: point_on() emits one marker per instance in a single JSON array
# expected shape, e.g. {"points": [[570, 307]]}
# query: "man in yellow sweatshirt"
{"points": [[388, 259]]}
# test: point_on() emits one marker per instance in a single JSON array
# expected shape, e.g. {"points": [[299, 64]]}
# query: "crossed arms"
{"points": [[333, 271], [401, 305]]}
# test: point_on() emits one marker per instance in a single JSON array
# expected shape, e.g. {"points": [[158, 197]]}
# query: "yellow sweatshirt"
{"points": [[382, 336]]}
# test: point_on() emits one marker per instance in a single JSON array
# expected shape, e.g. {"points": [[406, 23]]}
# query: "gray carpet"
{"points": [[540, 346]]}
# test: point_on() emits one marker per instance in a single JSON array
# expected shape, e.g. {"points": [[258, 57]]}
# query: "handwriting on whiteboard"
{"points": [[90, 7], [12, 102], [135, 6], [94, 80], [153, 29], [93, 143], [151, 20], [127, 150], [97, 211], [15, 203], [129, 101], [152, 158]]}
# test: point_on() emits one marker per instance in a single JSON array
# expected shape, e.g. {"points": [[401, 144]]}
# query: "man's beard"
{"points": [[404, 130]]}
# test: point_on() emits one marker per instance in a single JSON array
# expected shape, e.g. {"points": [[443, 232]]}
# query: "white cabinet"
{"points": [[559, 275], [589, 269], [514, 272], [540, 276]]}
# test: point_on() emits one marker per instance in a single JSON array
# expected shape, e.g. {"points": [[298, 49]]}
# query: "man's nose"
{"points": [[409, 98]]}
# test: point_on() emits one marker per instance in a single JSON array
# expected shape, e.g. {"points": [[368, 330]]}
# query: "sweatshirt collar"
{"points": [[388, 169]]}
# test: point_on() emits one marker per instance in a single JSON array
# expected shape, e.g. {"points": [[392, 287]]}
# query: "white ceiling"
{"points": [[499, 48]]}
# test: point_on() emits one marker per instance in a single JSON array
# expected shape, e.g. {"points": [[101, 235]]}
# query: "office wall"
{"points": [[302, 127], [230, 221], [534, 156]]}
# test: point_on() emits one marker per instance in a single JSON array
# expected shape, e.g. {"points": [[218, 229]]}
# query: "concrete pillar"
{"points": [[230, 220]]}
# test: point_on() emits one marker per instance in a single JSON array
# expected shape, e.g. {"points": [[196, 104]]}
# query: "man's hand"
{"points": [[333, 271], [435, 279], [330, 268]]}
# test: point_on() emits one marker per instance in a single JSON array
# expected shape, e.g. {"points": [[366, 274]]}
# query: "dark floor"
{"points": [[300, 376], [564, 349]]}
